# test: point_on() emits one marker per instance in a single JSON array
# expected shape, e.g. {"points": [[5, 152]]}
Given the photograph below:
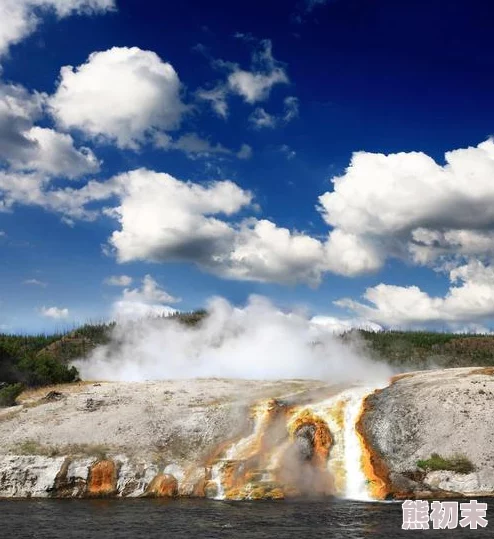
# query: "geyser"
{"points": [[254, 342]]}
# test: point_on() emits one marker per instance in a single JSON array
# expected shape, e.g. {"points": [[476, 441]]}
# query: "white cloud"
{"points": [[291, 108], [195, 146], [342, 325], [245, 152], [18, 111], [3, 234], [19, 18], [262, 251], [287, 151], [122, 95], [217, 97], [54, 153], [163, 218], [34, 190], [148, 300], [150, 292], [253, 85], [26, 147], [406, 205], [379, 205], [35, 282], [403, 205], [350, 254], [261, 119], [133, 310], [119, 280], [192, 144], [24, 189], [56, 313], [470, 299]]}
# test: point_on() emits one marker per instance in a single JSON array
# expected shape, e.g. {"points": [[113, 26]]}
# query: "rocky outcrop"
{"points": [[239, 439], [446, 412], [102, 480], [163, 486], [151, 439]]}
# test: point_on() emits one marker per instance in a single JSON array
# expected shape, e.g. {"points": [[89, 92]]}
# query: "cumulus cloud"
{"points": [[147, 301], [26, 147], [56, 313], [257, 341], [470, 299], [350, 254], [122, 95], [33, 189], [119, 280], [403, 205], [19, 18], [262, 251], [54, 154], [149, 292], [406, 205], [342, 325], [163, 219]]}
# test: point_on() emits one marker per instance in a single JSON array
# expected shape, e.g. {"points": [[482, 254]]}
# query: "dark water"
{"points": [[156, 519]]}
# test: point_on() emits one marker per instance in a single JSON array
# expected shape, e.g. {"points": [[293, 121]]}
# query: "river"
{"points": [[203, 519]]}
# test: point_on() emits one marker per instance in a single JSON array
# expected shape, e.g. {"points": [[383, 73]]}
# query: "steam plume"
{"points": [[254, 342]]}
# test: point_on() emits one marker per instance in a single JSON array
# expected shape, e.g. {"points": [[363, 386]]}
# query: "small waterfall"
{"points": [[250, 467], [242, 449], [216, 479], [356, 485]]}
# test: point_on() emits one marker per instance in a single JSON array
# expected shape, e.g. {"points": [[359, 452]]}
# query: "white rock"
{"points": [[28, 476]]}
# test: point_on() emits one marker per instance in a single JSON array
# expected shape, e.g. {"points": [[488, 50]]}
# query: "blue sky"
{"points": [[294, 150]]}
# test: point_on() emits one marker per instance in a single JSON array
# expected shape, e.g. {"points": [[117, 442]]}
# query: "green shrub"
{"points": [[44, 370], [456, 463], [9, 394]]}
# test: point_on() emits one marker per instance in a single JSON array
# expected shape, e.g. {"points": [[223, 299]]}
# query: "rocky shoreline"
{"points": [[240, 439]]}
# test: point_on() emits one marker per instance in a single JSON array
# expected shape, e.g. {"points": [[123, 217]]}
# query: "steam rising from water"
{"points": [[254, 342]]}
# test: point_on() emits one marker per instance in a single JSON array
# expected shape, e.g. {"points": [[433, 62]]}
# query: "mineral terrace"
{"points": [[239, 439]]}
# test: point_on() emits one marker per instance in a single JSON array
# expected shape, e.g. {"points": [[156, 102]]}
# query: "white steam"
{"points": [[254, 342]]}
